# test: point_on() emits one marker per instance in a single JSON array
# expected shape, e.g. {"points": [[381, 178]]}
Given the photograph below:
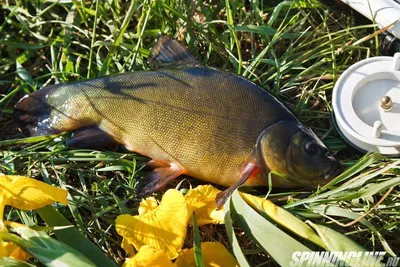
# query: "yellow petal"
{"points": [[8, 249], [127, 247], [258, 202], [214, 255], [163, 228], [201, 200], [13, 251], [3, 251], [283, 217], [149, 256], [28, 194], [218, 216], [2, 225], [14, 224], [147, 204]]}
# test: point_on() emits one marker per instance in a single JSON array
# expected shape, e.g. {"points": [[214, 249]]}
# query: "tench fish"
{"points": [[189, 119]]}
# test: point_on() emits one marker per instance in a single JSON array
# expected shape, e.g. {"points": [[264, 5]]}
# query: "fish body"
{"points": [[190, 119]]}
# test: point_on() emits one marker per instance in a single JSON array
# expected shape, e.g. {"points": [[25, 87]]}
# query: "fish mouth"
{"points": [[333, 171]]}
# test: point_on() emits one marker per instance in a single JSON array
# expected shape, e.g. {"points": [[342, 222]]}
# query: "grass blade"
{"points": [[29, 140], [341, 191], [118, 40], [198, 257], [363, 163]]}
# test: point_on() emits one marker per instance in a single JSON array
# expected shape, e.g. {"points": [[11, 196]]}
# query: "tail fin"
{"points": [[32, 111]]}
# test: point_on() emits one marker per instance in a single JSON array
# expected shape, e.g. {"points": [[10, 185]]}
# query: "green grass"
{"points": [[296, 51]]}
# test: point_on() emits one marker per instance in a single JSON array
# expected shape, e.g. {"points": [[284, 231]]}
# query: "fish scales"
{"points": [[204, 119], [189, 119]]}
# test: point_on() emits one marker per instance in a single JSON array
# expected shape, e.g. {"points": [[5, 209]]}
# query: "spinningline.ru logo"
{"points": [[342, 258]]}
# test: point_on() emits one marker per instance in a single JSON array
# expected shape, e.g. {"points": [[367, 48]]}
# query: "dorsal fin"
{"points": [[169, 51]]}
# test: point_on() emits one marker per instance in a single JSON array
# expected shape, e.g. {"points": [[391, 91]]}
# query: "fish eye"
{"points": [[310, 148]]}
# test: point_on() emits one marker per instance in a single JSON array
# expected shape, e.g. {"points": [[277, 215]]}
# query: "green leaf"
{"points": [[9, 262], [279, 245], [74, 208], [59, 257], [240, 257], [49, 251], [343, 189], [29, 140], [283, 218], [128, 17], [338, 211], [277, 10], [372, 189], [268, 31], [256, 29], [24, 74], [71, 236], [290, 5], [363, 163], [336, 241], [121, 205], [114, 168], [24, 46], [198, 256], [234, 38]]}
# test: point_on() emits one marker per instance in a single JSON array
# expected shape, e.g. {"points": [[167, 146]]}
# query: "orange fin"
{"points": [[250, 169], [157, 178]]}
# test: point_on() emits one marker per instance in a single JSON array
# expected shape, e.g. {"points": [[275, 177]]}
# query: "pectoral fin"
{"points": [[250, 169], [91, 137], [158, 178]]}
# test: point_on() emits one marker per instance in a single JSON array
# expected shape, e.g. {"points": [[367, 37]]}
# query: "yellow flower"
{"points": [[201, 201], [128, 247], [162, 227], [28, 194], [149, 256], [214, 255], [8, 249], [147, 204]]}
